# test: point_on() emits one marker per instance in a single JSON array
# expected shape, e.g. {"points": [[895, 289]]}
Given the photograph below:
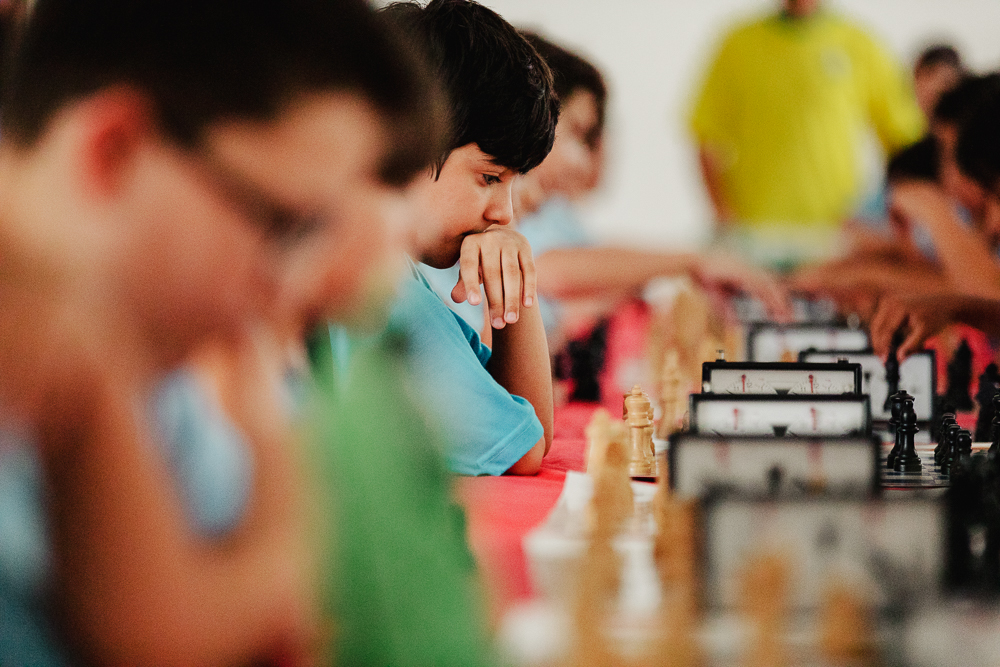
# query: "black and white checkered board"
{"points": [[928, 478]]}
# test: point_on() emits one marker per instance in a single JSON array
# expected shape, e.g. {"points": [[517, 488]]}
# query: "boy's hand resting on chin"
{"points": [[500, 259]]}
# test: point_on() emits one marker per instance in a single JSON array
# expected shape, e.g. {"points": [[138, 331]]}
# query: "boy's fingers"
{"points": [[530, 279], [511, 268], [468, 274], [493, 284]]}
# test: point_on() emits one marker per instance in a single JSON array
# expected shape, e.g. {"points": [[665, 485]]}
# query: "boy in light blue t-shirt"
{"points": [[494, 406]]}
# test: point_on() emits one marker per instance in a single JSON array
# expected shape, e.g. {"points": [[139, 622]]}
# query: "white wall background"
{"points": [[652, 53]]}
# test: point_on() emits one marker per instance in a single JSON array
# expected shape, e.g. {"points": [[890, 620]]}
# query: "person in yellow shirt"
{"points": [[780, 120]]}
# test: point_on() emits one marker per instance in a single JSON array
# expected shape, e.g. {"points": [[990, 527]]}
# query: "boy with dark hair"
{"points": [[573, 272], [495, 405], [163, 164], [402, 585]]}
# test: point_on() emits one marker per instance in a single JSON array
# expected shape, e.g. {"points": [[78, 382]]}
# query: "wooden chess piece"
{"points": [[845, 627], [947, 419], [895, 406], [764, 602], [612, 503], [670, 382], [637, 408], [907, 460], [676, 562], [601, 430]]}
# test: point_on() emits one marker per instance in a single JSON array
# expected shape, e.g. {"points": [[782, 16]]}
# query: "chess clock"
{"points": [[775, 342], [780, 467], [896, 545], [750, 310], [917, 376], [780, 378], [780, 416]]}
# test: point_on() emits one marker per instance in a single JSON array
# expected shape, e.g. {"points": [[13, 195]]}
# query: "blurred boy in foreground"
{"points": [[169, 170]]}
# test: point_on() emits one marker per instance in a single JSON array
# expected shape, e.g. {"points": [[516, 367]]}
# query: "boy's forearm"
{"points": [[520, 363], [585, 272]]}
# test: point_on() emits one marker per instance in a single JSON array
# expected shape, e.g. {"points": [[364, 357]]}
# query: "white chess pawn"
{"points": [[638, 408]]}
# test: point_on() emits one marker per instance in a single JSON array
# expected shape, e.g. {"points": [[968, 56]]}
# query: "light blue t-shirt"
{"points": [[212, 468], [554, 225], [486, 428]]}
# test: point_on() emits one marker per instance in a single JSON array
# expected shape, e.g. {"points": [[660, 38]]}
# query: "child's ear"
{"points": [[110, 128]]}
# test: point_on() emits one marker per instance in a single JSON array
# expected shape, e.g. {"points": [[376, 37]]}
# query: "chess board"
{"points": [[928, 478]]}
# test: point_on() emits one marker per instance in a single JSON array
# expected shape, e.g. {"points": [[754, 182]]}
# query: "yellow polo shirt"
{"points": [[785, 105]]}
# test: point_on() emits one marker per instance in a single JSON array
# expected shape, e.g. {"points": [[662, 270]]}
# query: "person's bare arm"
{"points": [[137, 585], [501, 259], [964, 253], [711, 175], [569, 273], [520, 363]]}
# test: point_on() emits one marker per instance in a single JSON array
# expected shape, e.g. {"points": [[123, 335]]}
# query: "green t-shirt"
{"points": [[401, 586]]}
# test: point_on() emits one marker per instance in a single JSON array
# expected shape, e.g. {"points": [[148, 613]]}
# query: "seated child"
{"points": [[495, 405], [154, 199], [574, 273], [935, 198]]}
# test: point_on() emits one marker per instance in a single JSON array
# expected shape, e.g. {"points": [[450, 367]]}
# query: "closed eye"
{"points": [[491, 179]]}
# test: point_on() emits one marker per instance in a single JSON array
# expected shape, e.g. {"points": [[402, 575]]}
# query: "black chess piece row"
{"points": [[954, 447], [903, 457]]}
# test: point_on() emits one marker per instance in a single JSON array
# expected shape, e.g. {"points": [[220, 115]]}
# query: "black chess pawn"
{"points": [[907, 460], [948, 454], [963, 452], [959, 377], [989, 382], [892, 369], [994, 450], [947, 419], [895, 406]]}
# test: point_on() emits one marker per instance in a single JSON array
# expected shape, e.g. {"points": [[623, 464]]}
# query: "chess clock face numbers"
{"points": [[781, 378], [780, 416], [916, 377]]}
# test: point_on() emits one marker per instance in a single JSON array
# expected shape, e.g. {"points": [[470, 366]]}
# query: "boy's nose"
{"points": [[501, 210]]}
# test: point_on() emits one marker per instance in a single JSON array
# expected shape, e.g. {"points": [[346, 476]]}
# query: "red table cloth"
{"points": [[502, 510]]}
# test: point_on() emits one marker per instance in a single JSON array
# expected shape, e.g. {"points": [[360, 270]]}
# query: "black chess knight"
{"points": [[907, 460], [895, 407]]}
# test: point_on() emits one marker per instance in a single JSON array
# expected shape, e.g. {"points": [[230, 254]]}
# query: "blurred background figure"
{"points": [[779, 119], [937, 70]]}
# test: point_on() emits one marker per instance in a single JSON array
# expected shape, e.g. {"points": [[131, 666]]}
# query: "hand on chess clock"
{"points": [[500, 259], [926, 314], [921, 324]]}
